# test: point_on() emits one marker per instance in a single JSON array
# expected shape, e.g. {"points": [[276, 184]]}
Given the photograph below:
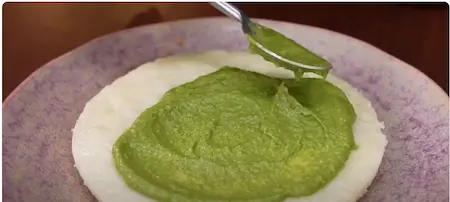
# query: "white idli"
{"points": [[113, 110]]}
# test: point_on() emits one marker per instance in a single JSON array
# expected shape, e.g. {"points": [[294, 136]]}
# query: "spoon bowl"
{"points": [[248, 27]]}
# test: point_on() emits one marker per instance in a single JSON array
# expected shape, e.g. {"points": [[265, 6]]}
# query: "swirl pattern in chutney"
{"points": [[235, 135]]}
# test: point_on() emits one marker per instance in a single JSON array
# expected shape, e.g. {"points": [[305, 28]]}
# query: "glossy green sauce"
{"points": [[235, 135], [286, 48]]}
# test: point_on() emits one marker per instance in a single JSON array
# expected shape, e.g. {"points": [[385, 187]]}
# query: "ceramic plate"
{"points": [[39, 115]]}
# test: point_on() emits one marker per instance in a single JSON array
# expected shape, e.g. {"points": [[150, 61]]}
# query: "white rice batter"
{"points": [[107, 115]]}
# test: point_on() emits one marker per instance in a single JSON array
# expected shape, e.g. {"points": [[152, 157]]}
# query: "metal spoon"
{"points": [[233, 12]]}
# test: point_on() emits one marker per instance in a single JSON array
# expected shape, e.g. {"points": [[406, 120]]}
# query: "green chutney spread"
{"points": [[235, 135]]}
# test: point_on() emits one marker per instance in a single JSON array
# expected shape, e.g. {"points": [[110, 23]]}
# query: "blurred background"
{"points": [[35, 33]]}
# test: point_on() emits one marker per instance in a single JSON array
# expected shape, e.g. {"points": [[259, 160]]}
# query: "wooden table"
{"points": [[35, 33]]}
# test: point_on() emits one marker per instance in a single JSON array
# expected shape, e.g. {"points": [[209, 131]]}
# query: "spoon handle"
{"points": [[228, 9]]}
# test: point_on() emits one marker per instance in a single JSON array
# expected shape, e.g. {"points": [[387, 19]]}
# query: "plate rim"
{"points": [[402, 63]]}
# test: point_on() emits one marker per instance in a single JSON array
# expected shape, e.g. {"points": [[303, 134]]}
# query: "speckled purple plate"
{"points": [[39, 115]]}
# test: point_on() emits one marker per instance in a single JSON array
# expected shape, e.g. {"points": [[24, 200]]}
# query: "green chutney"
{"points": [[235, 135], [286, 48]]}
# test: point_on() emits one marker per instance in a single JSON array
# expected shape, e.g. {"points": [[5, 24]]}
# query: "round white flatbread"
{"points": [[107, 115]]}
